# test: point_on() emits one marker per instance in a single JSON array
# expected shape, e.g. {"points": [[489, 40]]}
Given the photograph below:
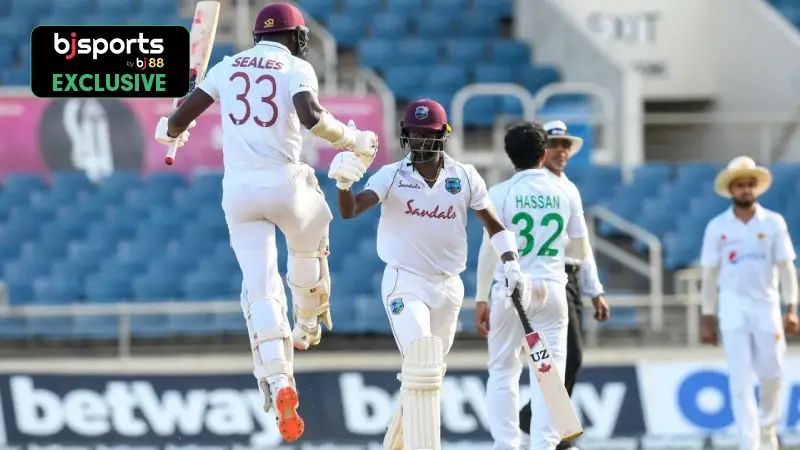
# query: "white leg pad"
{"points": [[420, 385], [393, 440], [312, 302], [267, 327]]}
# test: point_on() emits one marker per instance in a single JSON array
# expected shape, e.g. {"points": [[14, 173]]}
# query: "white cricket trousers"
{"points": [[755, 346], [420, 306], [255, 202], [505, 367]]}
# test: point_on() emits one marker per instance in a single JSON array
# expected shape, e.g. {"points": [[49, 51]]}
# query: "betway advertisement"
{"points": [[101, 135], [348, 409]]}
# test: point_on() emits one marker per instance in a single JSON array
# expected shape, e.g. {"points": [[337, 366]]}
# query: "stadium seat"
{"points": [[56, 290], [220, 51], [362, 6], [53, 241], [474, 24], [346, 29], [508, 51], [29, 8], [71, 181], [13, 29], [318, 9], [376, 54], [435, 26], [10, 247], [207, 285], [452, 7], [480, 111], [34, 216], [116, 7], [20, 292], [388, 25], [464, 51], [178, 265], [494, 8], [534, 77], [495, 73], [405, 81], [404, 6], [164, 181], [416, 51], [510, 106], [442, 95], [13, 328], [8, 53], [16, 183], [160, 7], [446, 76], [20, 230], [695, 172]]}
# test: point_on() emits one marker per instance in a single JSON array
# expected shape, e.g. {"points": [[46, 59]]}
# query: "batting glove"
{"points": [[366, 146], [163, 138], [346, 169]]}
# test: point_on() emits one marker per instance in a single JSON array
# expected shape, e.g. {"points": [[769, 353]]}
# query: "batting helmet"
{"points": [[428, 115], [279, 17]]}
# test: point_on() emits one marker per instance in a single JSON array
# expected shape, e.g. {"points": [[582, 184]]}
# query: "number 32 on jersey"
{"points": [[552, 222]]}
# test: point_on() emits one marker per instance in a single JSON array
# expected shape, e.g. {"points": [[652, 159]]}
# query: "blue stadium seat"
{"points": [[452, 7], [495, 8], [151, 197], [129, 264], [511, 106], [20, 292], [56, 290], [447, 76], [71, 181], [480, 111], [160, 7], [34, 216], [376, 54], [652, 173], [117, 7], [29, 8], [695, 171], [14, 29], [220, 51], [474, 24], [8, 54], [346, 29], [207, 285], [442, 95], [495, 73], [388, 25], [53, 240], [103, 288], [404, 6], [464, 51], [318, 9], [534, 77], [164, 181], [362, 6], [194, 243], [15, 183], [66, 7], [406, 81], [178, 265], [416, 51], [436, 26], [10, 247], [13, 328], [93, 250], [508, 51], [20, 230]]}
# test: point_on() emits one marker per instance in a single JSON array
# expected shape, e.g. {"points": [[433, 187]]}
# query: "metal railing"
{"points": [[652, 268], [366, 81]]}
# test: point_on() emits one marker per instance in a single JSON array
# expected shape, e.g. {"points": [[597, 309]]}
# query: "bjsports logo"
{"points": [[100, 46]]}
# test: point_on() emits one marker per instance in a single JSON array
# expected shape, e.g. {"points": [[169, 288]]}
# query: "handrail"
{"points": [[652, 269], [367, 79], [456, 143], [605, 101]]}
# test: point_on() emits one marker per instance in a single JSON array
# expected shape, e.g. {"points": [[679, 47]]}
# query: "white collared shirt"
{"points": [[746, 254], [260, 128], [544, 214], [422, 229], [588, 278]]}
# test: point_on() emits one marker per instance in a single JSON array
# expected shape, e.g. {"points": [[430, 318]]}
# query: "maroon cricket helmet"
{"points": [[278, 17], [429, 115]]}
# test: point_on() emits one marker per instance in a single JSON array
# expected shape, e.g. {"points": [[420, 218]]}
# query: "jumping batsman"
{"points": [[422, 239], [545, 213], [582, 277], [747, 253], [266, 93]]}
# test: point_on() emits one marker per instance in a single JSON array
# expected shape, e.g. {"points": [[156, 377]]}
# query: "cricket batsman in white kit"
{"points": [[544, 213], [424, 198], [266, 93], [747, 254]]}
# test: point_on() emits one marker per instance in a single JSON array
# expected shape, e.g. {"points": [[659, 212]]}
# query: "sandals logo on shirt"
{"points": [[396, 306], [452, 185]]}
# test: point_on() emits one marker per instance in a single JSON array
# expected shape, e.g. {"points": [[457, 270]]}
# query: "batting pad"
{"points": [[420, 384]]}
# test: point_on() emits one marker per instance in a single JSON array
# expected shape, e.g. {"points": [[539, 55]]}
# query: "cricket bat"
{"points": [[201, 40], [549, 379]]}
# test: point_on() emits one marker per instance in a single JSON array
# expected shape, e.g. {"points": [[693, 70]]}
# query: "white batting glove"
{"points": [[163, 138], [346, 169], [366, 146], [514, 277]]}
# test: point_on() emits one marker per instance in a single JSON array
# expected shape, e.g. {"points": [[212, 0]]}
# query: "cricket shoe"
{"points": [[290, 424], [305, 337]]}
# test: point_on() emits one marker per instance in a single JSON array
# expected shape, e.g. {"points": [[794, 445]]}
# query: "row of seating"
{"points": [[365, 9]]}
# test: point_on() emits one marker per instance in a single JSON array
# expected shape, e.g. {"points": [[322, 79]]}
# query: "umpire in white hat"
{"points": [[746, 255]]}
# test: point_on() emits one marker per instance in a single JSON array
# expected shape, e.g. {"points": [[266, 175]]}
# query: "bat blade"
{"points": [[201, 41], [551, 385]]}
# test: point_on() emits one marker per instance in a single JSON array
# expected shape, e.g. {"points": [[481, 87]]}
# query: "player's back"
{"points": [[255, 89], [538, 209]]}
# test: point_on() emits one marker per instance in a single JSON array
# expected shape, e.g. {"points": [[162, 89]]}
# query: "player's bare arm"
{"points": [[191, 108], [351, 206], [493, 226]]}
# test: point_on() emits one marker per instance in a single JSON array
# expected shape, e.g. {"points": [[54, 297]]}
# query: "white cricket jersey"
{"points": [[746, 255], [422, 229], [260, 128], [544, 214], [588, 278]]}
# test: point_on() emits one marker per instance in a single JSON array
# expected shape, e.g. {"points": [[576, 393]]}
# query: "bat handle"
{"points": [[523, 315], [171, 151]]}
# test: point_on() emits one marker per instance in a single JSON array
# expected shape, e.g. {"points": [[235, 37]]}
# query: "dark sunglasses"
{"points": [[563, 143]]}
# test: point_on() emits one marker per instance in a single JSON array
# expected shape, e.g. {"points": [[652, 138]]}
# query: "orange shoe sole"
{"points": [[290, 424]]}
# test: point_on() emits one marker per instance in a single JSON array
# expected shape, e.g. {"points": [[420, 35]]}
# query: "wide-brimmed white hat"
{"points": [[557, 129], [742, 167]]}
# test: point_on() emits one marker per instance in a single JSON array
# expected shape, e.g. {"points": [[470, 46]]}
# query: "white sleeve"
{"points": [[709, 291], [303, 78], [788, 282], [588, 278], [709, 255], [782, 247], [210, 84], [487, 260], [576, 228], [478, 195], [381, 181]]}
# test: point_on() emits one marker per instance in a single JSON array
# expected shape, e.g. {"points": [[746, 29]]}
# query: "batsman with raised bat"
{"points": [[544, 214], [266, 94]]}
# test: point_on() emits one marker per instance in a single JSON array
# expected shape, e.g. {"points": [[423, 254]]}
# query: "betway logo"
{"points": [[134, 408]]}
